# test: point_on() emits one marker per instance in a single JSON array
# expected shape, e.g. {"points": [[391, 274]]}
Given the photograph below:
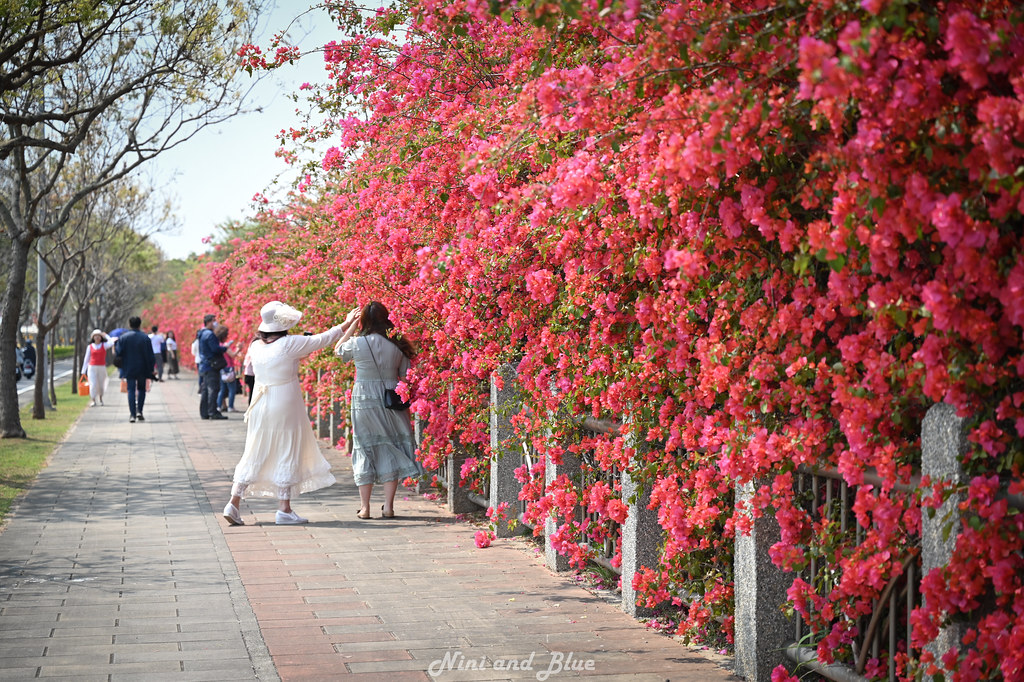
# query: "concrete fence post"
{"points": [[309, 407], [419, 427], [323, 413], [314, 409], [505, 455], [458, 497], [761, 630], [943, 445], [570, 467], [337, 417], [641, 541]]}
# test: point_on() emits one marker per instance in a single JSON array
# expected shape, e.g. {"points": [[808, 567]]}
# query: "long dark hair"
{"points": [[269, 337], [375, 320]]}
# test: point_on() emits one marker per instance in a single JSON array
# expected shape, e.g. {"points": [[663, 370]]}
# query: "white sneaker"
{"points": [[232, 515], [288, 518]]}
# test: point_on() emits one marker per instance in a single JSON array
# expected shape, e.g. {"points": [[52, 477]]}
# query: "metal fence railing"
{"points": [[885, 631], [605, 549]]}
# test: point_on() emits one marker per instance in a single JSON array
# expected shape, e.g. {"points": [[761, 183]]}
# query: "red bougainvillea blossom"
{"points": [[759, 236]]}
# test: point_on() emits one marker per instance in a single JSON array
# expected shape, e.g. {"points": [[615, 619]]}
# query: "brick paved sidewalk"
{"points": [[117, 565], [113, 568]]}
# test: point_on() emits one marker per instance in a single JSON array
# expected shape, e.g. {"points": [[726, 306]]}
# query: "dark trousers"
{"points": [[136, 394], [208, 393]]}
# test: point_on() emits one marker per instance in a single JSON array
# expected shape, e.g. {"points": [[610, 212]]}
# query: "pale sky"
{"points": [[213, 176]]}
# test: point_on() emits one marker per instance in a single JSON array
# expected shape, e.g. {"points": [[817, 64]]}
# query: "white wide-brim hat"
{"points": [[278, 317], [96, 332]]}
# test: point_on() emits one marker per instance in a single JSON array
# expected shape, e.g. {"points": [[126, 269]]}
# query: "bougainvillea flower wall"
{"points": [[759, 235]]}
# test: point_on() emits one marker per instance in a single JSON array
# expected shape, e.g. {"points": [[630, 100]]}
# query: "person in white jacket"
{"points": [[94, 365]]}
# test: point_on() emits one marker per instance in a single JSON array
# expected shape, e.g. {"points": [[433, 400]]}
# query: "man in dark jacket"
{"points": [[210, 365], [136, 351]]}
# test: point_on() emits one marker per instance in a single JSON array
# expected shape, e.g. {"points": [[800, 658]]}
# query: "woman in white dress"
{"points": [[282, 458], [94, 365], [383, 448]]}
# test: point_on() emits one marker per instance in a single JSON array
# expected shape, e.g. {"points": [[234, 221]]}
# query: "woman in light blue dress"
{"points": [[383, 449]]}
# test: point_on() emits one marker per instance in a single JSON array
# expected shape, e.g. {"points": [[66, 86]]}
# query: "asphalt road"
{"points": [[26, 387]]}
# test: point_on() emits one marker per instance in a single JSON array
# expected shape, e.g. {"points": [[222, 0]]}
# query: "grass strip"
{"points": [[23, 458]]}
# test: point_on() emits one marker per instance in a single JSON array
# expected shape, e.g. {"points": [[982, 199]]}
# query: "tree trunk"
{"points": [[81, 316], [10, 417], [39, 404], [52, 359]]}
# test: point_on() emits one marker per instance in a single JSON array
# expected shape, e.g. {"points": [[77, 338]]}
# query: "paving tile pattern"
{"points": [[112, 567], [117, 565]]}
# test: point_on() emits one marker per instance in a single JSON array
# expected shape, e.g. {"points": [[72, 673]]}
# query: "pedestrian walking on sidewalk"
{"points": [[282, 457], [172, 356], [94, 365], [137, 364], [211, 362], [383, 449], [249, 373], [198, 357], [228, 376], [159, 352]]}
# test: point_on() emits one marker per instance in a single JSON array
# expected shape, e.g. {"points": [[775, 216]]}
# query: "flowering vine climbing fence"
{"points": [[601, 526], [764, 235], [881, 635]]}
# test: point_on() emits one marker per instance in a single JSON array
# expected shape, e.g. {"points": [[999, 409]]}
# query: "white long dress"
{"points": [[282, 458]]}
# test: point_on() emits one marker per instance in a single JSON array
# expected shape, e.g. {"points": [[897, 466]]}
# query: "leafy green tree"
{"points": [[126, 80], [120, 263]]}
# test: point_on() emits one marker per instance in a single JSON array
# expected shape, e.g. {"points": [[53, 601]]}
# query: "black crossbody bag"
{"points": [[392, 400]]}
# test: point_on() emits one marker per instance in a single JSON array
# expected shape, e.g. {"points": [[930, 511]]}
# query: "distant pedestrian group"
{"points": [[137, 366]]}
